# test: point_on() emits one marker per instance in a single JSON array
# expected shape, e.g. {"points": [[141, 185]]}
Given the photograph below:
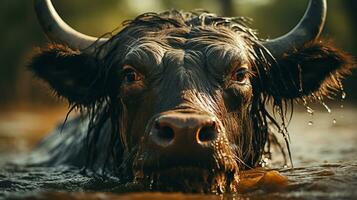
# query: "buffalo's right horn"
{"points": [[60, 32]]}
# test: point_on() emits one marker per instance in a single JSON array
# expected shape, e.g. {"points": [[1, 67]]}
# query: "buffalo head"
{"points": [[186, 93]]}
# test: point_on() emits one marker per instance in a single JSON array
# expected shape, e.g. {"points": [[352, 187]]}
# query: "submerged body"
{"points": [[312, 177], [177, 101]]}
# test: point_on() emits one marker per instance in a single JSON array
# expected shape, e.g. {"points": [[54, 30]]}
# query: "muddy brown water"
{"points": [[324, 151]]}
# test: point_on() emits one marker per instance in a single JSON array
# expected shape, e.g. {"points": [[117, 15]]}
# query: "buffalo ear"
{"points": [[315, 68], [76, 76]]}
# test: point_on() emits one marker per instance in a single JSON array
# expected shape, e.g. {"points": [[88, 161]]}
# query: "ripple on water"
{"points": [[323, 181]]}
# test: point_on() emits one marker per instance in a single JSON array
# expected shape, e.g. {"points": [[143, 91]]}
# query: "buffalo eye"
{"points": [[130, 75], [240, 75]]}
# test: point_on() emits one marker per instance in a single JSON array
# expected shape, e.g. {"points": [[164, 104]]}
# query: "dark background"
{"points": [[20, 33]]}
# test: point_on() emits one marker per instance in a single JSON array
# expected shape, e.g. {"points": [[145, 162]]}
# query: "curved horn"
{"points": [[58, 31], [309, 28]]}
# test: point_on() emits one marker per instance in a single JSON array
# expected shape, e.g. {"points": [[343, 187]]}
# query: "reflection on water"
{"points": [[324, 155]]}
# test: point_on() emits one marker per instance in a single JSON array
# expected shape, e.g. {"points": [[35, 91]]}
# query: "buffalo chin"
{"points": [[189, 180]]}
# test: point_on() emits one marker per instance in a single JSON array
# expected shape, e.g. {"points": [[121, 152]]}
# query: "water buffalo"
{"points": [[178, 101]]}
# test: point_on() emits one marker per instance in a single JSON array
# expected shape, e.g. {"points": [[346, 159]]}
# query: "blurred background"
{"points": [[28, 109], [21, 33]]}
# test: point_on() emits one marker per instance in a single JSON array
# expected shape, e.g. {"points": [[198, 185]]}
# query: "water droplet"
{"points": [[309, 110], [151, 182], [343, 93], [326, 106], [334, 121], [310, 123]]}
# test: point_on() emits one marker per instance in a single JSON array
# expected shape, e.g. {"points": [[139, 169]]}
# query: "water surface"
{"points": [[324, 156]]}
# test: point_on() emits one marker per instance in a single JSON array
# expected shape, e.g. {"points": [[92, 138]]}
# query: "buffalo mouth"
{"points": [[189, 180]]}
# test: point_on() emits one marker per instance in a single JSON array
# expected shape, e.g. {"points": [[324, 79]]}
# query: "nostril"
{"points": [[207, 133], [163, 135], [166, 133]]}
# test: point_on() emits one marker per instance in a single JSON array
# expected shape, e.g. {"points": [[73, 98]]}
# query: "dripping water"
{"points": [[334, 121], [326, 107], [343, 93], [151, 182], [310, 111], [343, 97], [321, 101]]}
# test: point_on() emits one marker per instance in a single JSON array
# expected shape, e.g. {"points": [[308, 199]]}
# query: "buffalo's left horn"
{"points": [[60, 32], [308, 29]]}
